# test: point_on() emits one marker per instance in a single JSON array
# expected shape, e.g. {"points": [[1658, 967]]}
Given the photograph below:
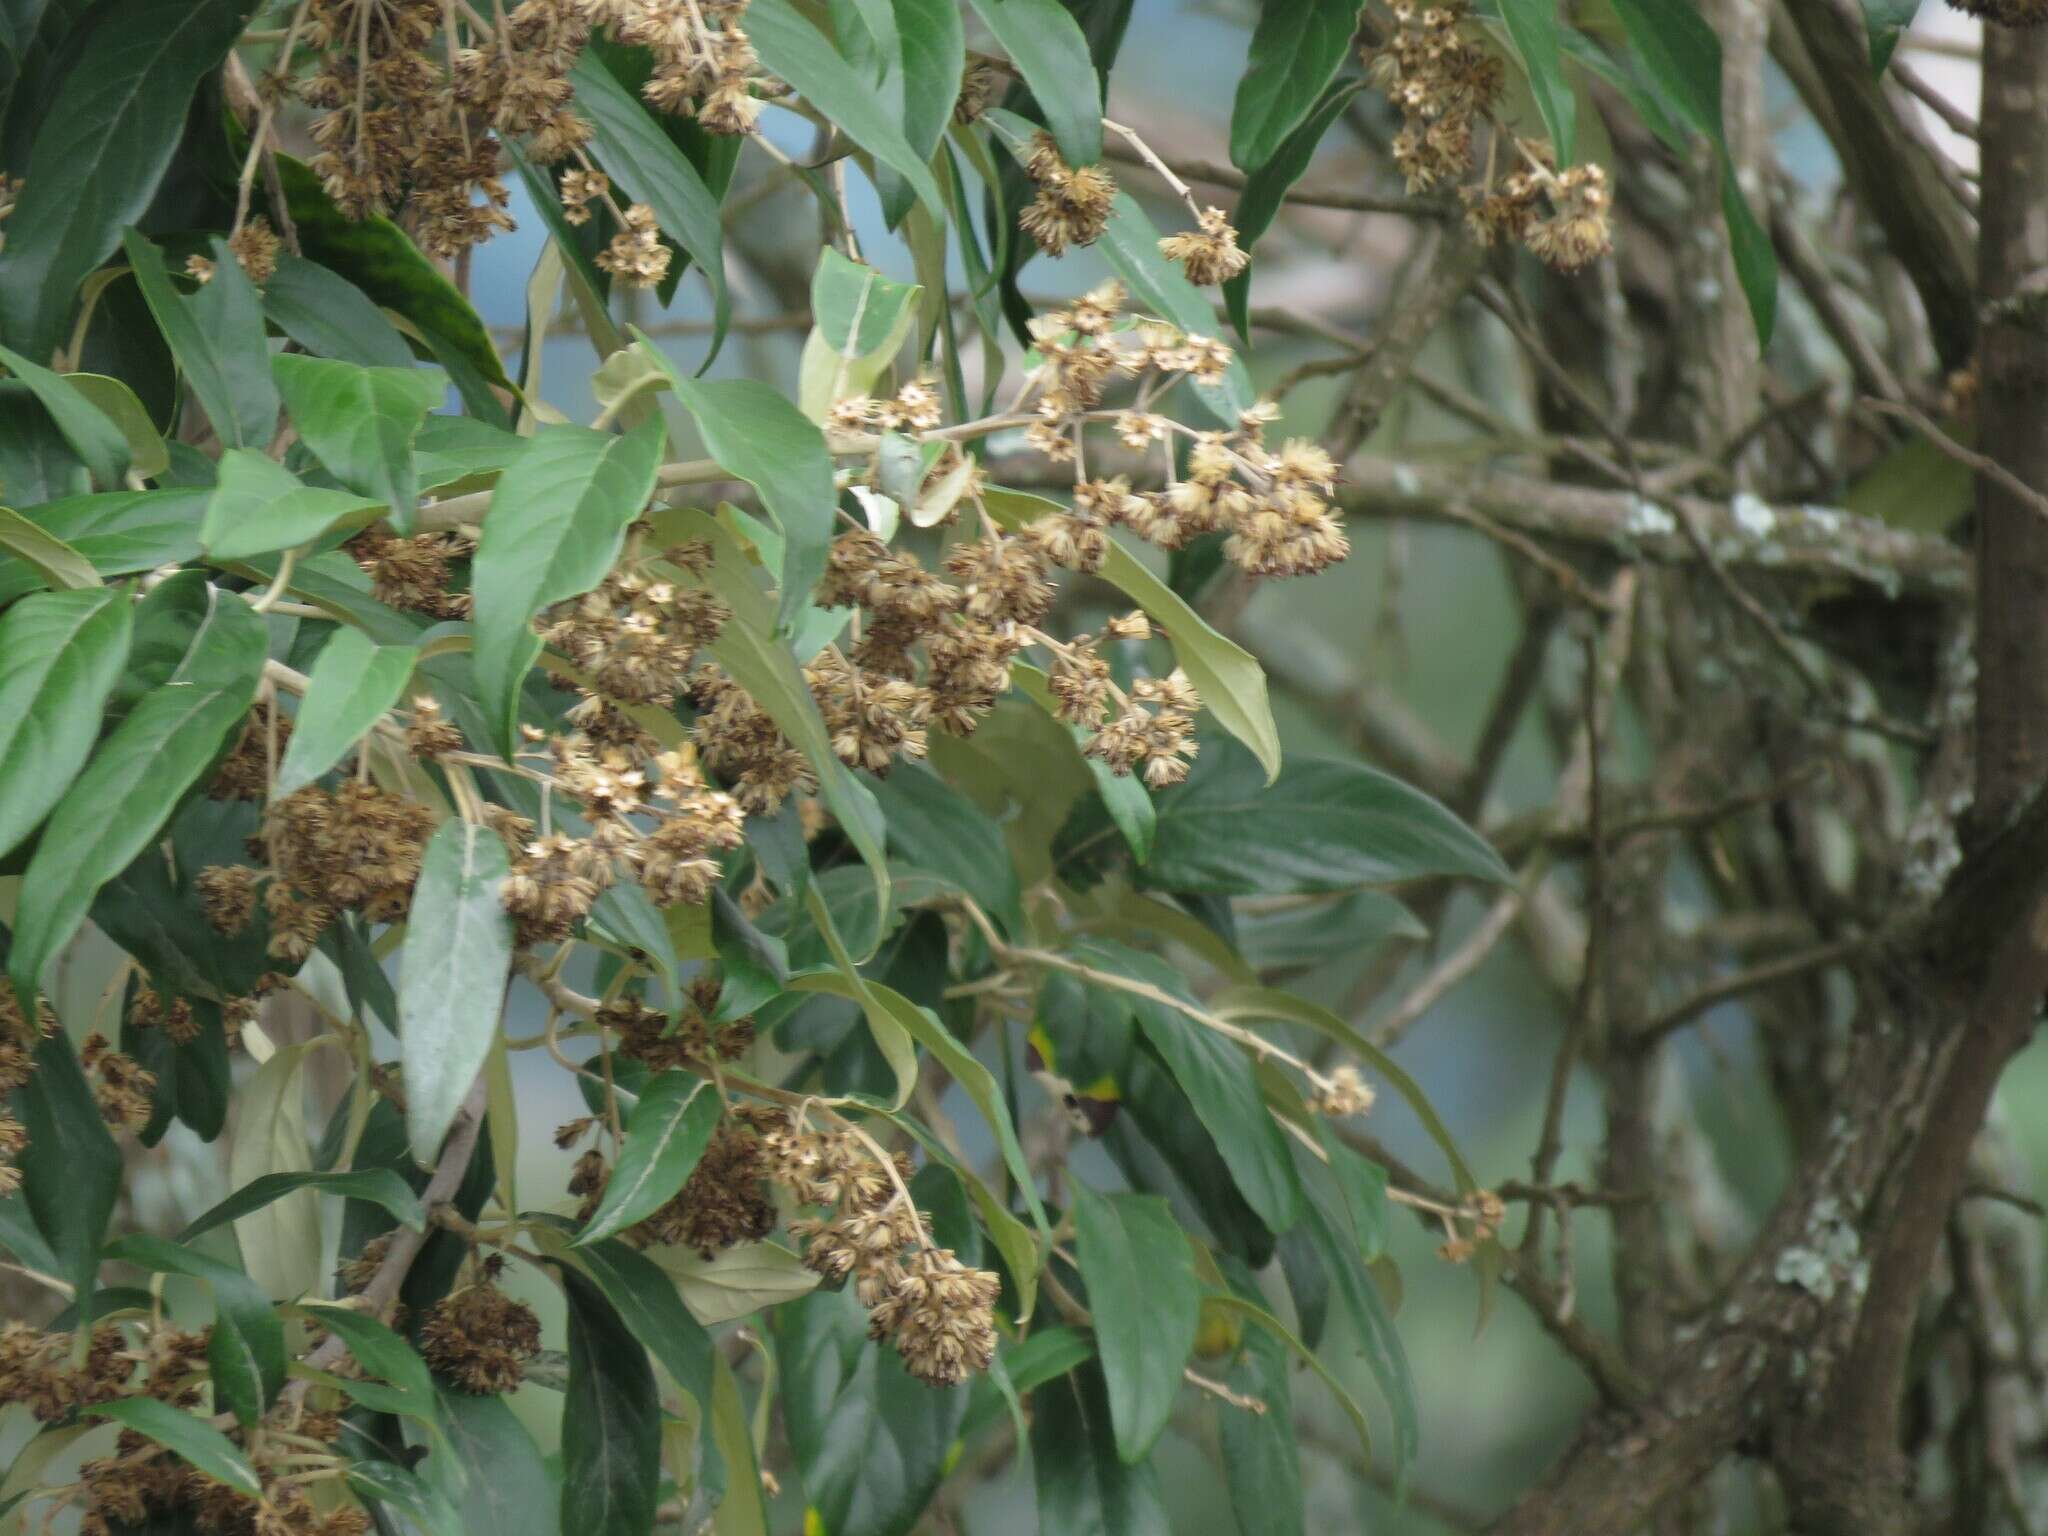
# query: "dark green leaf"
{"points": [[1374, 1329], [936, 828], [381, 1352], [113, 810], [70, 1169], [1048, 1353], [1295, 49], [790, 47], [755, 964], [1261, 1461], [1887, 21], [555, 526], [217, 337], [100, 150], [330, 316], [611, 1422], [353, 683], [36, 464], [1146, 1303], [247, 1350], [1084, 1489], [1363, 1187], [504, 1485], [54, 562], [871, 1441], [667, 1134], [98, 443], [934, 56], [1323, 825], [451, 976], [645, 163], [259, 506], [1294, 936], [188, 1436], [60, 653], [119, 533], [1533, 29], [360, 423], [427, 1509], [1050, 51], [380, 1186]]}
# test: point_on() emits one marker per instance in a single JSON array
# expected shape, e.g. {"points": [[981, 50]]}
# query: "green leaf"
{"points": [[1227, 676], [1533, 29], [645, 163], [99, 151], [1261, 1461], [1084, 1488], [1322, 825], [188, 1436], [934, 49], [380, 1351], [1295, 49], [1683, 58], [426, 1508], [1146, 1303], [1363, 1186], [217, 337], [1130, 244], [504, 1485], [60, 654], [1887, 21], [1049, 1352], [556, 524], [70, 1169], [53, 561], [451, 976], [119, 534], [1372, 1326], [116, 807], [859, 321], [260, 506], [330, 316], [744, 1512], [790, 47], [1279, 1330], [95, 439], [736, 1283], [936, 828], [280, 1241], [871, 1441], [755, 433], [360, 423], [1124, 797], [352, 684], [148, 457], [1265, 190], [247, 1350], [1050, 51], [380, 1186], [1293, 936], [611, 1422], [667, 1134], [1213, 1072]]}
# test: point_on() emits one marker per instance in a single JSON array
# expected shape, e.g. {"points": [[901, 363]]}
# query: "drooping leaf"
{"points": [[100, 150], [736, 1283], [1295, 49], [280, 1239], [1261, 1460], [1123, 796], [118, 533], [352, 684], [217, 337], [934, 50], [871, 1441], [247, 1349], [1084, 1488], [122, 799], [451, 976], [645, 163], [1532, 27], [380, 1186], [555, 527], [1887, 21], [1051, 52], [259, 506], [611, 1422], [360, 423], [54, 562], [425, 1508], [936, 828], [666, 1135], [60, 654], [147, 453], [859, 320], [381, 1352], [1145, 1301], [502, 1482], [330, 316], [70, 1169], [791, 48], [95, 439], [1372, 1327], [188, 1436]]}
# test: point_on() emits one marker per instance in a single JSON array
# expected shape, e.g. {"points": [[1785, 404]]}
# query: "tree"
{"points": [[832, 797]]}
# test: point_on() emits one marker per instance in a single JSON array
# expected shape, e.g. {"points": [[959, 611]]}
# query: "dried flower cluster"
{"points": [[255, 247], [120, 1087], [413, 573], [1073, 202], [17, 1064], [1209, 254], [1482, 1213], [480, 1338], [1444, 82]]}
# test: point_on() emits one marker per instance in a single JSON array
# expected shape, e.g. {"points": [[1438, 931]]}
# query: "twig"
{"points": [[1926, 424], [1769, 973]]}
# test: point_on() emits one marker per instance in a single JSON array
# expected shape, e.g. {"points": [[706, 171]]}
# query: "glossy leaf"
{"points": [[54, 562], [330, 316], [1296, 47], [190, 1437], [260, 506], [1084, 1489], [217, 337], [426, 1508], [646, 165], [118, 533], [871, 1441], [791, 48], [99, 151], [360, 422], [611, 1422], [118, 804], [1229, 679], [451, 976], [70, 1169], [60, 654], [556, 524], [1322, 825], [352, 684], [1049, 49], [99, 444], [380, 1186], [667, 1134], [147, 454], [1146, 1303], [1532, 27]]}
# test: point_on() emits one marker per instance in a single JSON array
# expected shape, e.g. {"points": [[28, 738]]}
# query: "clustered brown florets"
{"points": [[480, 1338], [1073, 202]]}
